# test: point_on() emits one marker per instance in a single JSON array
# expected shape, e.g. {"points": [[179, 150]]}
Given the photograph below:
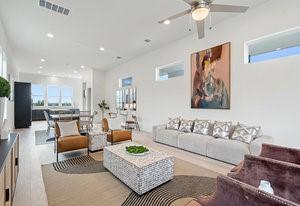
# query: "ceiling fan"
{"points": [[200, 10]]}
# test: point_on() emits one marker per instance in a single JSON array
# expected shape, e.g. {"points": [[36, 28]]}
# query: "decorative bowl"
{"points": [[137, 150]]}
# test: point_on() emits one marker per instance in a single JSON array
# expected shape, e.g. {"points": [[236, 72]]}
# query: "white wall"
{"points": [[265, 94], [98, 91], [12, 71], [75, 83]]}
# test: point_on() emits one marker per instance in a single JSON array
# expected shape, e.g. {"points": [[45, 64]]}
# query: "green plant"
{"points": [[136, 149], [103, 106], [4, 88]]}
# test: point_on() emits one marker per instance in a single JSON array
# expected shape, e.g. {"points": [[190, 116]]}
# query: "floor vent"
{"points": [[54, 7]]}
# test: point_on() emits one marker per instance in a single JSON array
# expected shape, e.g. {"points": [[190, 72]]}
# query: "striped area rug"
{"points": [[154, 197], [97, 186], [74, 162], [79, 165]]}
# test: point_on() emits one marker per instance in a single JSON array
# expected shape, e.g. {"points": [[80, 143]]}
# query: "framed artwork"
{"points": [[210, 70]]}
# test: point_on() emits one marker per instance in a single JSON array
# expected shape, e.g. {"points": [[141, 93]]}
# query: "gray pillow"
{"points": [[173, 123], [186, 125], [222, 129], [245, 133], [202, 127]]}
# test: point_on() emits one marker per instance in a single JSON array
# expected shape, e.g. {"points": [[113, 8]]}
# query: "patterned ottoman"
{"points": [[140, 173]]}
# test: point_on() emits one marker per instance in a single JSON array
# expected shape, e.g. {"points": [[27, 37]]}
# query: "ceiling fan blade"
{"points": [[227, 8], [191, 2], [200, 28], [176, 16]]}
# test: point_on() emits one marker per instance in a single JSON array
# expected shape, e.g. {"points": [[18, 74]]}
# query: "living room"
{"points": [[233, 78]]}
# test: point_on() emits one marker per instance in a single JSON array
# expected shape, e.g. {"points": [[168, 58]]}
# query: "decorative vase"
{"points": [[2, 104], [266, 186]]}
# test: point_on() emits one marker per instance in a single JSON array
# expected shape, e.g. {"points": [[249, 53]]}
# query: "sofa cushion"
{"points": [[245, 133], [173, 123], [186, 125], [202, 127], [169, 137], [194, 142], [230, 151], [222, 129]]}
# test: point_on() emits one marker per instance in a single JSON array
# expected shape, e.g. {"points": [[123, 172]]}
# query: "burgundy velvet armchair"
{"points": [[283, 176], [280, 153], [231, 192]]}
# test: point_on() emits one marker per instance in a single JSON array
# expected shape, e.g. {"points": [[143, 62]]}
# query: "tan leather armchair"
{"points": [[70, 143], [114, 136]]}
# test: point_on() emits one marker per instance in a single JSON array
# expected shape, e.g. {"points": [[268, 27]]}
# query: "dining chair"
{"points": [[50, 123], [62, 116], [85, 119]]}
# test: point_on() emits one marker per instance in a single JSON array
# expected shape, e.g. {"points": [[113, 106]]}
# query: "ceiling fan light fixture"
{"points": [[167, 22], [200, 12]]}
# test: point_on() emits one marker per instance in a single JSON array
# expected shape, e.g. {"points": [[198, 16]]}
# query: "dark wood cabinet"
{"points": [[22, 105], [9, 168]]}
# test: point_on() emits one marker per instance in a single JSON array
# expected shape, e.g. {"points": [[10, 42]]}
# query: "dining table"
{"points": [[57, 117]]}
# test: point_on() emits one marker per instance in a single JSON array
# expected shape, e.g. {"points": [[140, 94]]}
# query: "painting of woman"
{"points": [[211, 78]]}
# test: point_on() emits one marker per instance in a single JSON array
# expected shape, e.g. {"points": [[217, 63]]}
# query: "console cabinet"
{"points": [[9, 162]]}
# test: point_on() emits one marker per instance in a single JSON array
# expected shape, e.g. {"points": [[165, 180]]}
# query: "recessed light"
{"points": [[118, 57], [277, 49], [42, 60], [167, 22], [50, 35], [75, 72], [82, 67], [41, 67], [147, 40], [101, 48]]}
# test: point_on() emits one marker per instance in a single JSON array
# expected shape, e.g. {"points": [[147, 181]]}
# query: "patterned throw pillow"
{"points": [[173, 123], [202, 127], [186, 125], [245, 133], [222, 129]]}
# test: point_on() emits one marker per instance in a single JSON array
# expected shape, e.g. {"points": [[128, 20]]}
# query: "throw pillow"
{"points": [[222, 129], [202, 127], [186, 125], [245, 133], [173, 123], [68, 128]]}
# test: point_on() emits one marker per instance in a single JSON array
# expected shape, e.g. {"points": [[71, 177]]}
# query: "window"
{"points": [[66, 96], [37, 95], [3, 73], [53, 96], [274, 46], [169, 71], [125, 82]]}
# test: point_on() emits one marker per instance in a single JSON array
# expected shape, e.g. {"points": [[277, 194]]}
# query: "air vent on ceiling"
{"points": [[54, 7]]}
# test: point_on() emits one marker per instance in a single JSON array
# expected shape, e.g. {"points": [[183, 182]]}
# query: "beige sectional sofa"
{"points": [[226, 150]]}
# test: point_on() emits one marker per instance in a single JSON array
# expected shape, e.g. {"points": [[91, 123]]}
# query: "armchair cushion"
{"points": [[69, 128], [70, 143], [119, 135]]}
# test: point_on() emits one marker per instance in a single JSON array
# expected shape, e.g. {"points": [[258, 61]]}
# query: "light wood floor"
{"points": [[30, 189]]}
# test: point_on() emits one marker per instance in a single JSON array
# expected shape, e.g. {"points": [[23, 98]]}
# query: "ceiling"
{"points": [[117, 25]]}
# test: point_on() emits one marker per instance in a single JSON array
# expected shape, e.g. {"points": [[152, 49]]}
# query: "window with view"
{"points": [[53, 95], [66, 96], [125, 82], [275, 46], [37, 95], [169, 71]]}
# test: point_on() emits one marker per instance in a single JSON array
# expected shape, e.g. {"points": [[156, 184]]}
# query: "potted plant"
{"points": [[4, 93], [103, 106]]}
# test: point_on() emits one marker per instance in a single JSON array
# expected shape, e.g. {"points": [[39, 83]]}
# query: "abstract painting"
{"points": [[211, 78]]}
